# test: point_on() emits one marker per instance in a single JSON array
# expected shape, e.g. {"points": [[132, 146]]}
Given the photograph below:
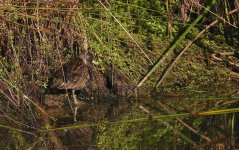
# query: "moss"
{"points": [[18, 141], [196, 71]]}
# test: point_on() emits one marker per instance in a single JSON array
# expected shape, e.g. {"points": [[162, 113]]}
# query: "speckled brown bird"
{"points": [[73, 75]]}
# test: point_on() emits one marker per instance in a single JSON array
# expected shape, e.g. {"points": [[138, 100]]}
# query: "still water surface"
{"points": [[150, 123]]}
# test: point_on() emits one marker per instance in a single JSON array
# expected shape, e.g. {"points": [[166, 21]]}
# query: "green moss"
{"points": [[18, 141]]}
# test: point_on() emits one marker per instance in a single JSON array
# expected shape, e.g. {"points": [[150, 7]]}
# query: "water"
{"points": [[133, 124], [159, 122]]}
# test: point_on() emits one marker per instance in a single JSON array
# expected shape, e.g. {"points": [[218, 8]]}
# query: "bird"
{"points": [[73, 75]]}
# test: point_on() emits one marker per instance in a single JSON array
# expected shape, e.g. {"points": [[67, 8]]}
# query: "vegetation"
{"points": [[141, 38]]}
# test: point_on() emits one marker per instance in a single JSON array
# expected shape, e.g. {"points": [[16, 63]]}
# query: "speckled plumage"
{"points": [[73, 75]]}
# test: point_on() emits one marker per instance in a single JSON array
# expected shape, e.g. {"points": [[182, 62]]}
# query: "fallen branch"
{"points": [[216, 56], [234, 76]]}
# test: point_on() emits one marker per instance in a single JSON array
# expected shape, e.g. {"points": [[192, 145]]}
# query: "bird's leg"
{"points": [[75, 113], [79, 105], [74, 97], [75, 103]]}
